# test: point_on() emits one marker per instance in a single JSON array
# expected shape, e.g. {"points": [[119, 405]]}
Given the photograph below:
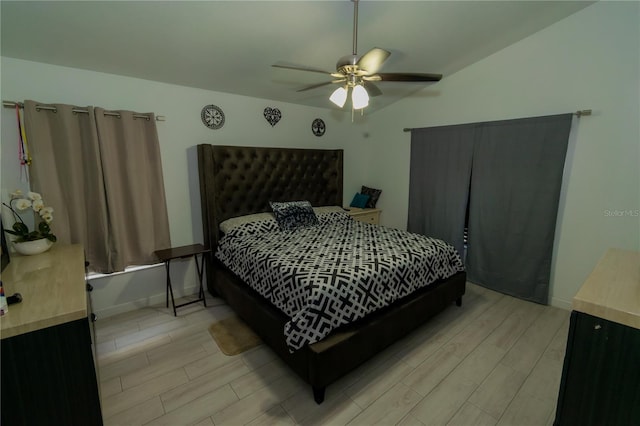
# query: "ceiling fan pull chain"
{"points": [[355, 27]]}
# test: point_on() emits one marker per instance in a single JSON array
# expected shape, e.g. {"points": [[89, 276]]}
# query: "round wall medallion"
{"points": [[318, 127], [212, 116]]}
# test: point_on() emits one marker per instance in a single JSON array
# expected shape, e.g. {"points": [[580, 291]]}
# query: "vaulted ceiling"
{"points": [[229, 46]]}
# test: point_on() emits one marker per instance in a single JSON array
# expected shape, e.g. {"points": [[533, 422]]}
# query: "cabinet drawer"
{"points": [[369, 218]]}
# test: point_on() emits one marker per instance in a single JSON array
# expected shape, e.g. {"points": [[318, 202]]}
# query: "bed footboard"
{"points": [[322, 363]]}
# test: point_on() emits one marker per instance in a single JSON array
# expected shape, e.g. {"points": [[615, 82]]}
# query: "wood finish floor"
{"points": [[496, 360]]}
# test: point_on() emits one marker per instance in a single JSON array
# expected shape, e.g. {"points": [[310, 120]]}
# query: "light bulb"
{"points": [[359, 97], [339, 96]]}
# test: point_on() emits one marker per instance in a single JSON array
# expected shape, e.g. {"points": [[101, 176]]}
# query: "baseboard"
{"points": [[157, 300], [561, 303]]}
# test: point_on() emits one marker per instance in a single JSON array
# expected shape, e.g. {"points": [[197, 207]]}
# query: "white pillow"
{"points": [[328, 209], [233, 222], [229, 224]]}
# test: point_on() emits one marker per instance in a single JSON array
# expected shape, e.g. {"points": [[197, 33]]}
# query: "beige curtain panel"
{"points": [[102, 174]]}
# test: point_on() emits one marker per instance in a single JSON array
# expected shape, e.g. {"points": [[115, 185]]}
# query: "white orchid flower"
{"points": [[34, 196], [32, 200], [23, 203], [37, 205]]}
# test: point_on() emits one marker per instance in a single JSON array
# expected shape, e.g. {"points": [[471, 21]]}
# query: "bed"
{"points": [[240, 181]]}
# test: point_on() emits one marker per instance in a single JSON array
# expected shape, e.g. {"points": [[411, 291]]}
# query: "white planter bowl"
{"points": [[29, 248]]}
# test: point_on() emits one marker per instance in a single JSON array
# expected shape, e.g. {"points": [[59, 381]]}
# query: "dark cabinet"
{"points": [[47, 363], [48, 377], [601, 374]]}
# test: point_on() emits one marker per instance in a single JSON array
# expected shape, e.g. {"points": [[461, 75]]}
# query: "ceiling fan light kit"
{"points": [[358, 72], [339, 96], [359, 97]]}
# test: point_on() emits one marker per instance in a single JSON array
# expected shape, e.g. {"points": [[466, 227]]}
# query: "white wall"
{"points": [[589, 60], [183, 130]]}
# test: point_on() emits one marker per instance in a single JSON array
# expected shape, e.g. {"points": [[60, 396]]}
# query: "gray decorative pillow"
{"points": [[292, 215], [373, 194]]}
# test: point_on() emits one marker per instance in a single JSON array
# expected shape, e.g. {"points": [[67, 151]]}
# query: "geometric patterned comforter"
{"points": [[334, 273]]}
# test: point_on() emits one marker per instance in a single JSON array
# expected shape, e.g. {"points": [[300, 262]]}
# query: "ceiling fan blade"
{"points": [[407, 77], [300, 68], [373, 60], [313, 86], [372, 89]]}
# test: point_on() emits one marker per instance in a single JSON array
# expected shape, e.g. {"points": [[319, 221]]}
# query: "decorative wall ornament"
{"points": [[318, 127], [272, 115], [212, 116]]}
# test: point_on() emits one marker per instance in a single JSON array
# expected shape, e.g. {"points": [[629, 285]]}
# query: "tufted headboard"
{"points": [[236, 181]]}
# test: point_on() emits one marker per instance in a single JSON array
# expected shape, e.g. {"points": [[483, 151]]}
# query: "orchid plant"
{"points": [[44, 217]]}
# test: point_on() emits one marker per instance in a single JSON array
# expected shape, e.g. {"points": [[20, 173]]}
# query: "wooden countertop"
{"points": [[53, 289], [612, 291]]}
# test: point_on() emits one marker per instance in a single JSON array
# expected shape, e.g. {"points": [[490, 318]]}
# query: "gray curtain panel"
{"points": [[515, 171], [515, 190], [439, 182], [103, 177]]}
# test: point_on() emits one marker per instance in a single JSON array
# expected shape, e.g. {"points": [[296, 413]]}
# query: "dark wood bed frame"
{"points": [[236, 181]]}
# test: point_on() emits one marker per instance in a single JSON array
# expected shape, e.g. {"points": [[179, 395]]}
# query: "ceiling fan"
{"points": [[359, 72]]}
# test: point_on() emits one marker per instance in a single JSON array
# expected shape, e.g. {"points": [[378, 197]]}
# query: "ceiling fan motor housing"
{"points": [[347, 60], [348, 67]]}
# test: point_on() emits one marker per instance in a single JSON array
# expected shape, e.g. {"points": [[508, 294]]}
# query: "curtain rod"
{"points": [[578, 114], [12, 104]]}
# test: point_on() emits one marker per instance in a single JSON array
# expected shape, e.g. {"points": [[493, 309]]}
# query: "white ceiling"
{"points": [[229, 46]]}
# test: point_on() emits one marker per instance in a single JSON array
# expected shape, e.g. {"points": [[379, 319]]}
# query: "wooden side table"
{"points": [[184, 252]]}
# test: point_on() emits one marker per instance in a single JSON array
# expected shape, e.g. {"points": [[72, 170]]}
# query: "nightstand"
{"points": [[365, 215]]}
